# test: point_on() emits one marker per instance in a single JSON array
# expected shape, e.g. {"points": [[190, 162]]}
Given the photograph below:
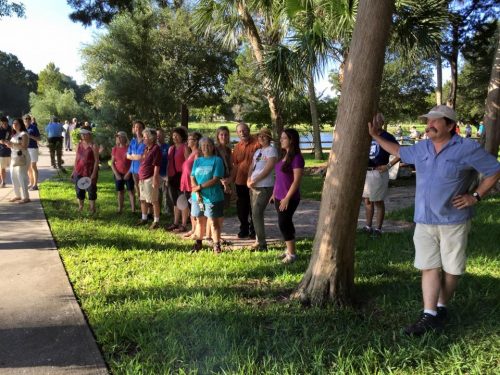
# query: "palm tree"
{"points": [[301, 60], [330, 274], [260, 23], [313, 47]]}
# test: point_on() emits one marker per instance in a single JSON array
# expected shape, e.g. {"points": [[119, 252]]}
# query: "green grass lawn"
{"points": [[155, 309]]}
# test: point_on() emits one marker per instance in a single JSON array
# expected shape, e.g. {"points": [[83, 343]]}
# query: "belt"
{"points": [[373, 168]]}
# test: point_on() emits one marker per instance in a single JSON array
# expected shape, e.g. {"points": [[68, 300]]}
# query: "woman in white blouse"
{"points": [[20, 160], [260, 182]]}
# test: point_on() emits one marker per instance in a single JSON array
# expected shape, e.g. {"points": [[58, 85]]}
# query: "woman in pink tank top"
{"points": [[86, 165]]}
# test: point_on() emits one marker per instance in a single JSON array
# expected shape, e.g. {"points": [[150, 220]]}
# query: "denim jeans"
{"points": [[259, 198]]}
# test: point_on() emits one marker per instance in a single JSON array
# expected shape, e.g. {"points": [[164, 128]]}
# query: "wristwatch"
{"points": [[477, 196], [389, 165]]}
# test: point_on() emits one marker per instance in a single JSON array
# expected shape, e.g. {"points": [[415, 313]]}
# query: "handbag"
{"points": [[19, 159]]}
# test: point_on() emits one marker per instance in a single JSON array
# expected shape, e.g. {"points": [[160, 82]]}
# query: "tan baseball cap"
{"points": [[440, 111]]}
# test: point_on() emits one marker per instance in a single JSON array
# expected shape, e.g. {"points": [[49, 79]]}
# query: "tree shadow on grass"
{"points": [[210, 327]]}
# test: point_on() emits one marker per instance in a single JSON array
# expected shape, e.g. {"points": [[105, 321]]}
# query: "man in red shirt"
{"points": [[149, 178], [242, 158]]}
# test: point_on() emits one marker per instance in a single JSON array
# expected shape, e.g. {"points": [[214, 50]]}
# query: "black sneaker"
{"points": [[257, 247], [442, 314], [242, 234], [425, 323], [252, 235]]}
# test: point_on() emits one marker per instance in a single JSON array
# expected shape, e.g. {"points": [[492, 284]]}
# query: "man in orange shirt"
{"points": [[242, 158]]}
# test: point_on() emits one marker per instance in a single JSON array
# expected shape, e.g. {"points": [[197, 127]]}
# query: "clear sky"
{"points": [[46, 35]]}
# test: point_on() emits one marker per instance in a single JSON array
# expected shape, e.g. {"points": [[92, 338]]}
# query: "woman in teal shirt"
{"points": [[207, 194]]}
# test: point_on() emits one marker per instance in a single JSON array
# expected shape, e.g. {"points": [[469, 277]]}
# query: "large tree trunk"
{"points": [[439, 80], [330, 275], [492, 113], [184, 115], [255, 41], [318, 149]]}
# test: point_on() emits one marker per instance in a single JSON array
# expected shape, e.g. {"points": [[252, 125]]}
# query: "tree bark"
{"points": [[258, 51], [184, 115], [439, 80], [492, 112], [453, 60], [330, 274], [318, 149], [345, 55]]}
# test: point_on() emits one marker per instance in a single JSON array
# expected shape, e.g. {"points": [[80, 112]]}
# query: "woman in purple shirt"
{"points": [[286, 195]]}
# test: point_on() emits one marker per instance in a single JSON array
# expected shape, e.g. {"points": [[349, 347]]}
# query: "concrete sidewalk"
{"points": [[42, 328]]}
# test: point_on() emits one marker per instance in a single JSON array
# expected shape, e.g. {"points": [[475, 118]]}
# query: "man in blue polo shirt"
{"points": [[446, 165], [134, 153], [54, 132]]}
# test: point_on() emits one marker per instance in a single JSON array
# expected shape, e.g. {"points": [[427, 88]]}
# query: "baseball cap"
{"points": [[85, 131], [440, 111]]}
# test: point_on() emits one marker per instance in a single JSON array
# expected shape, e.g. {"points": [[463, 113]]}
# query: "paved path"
{"points": [[306, 218], [42, 329]]}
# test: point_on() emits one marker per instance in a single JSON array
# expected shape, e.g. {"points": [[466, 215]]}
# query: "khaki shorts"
{"points": [[441, 246], [148, 193], [4, 162], [376, 185], [33, 154]]}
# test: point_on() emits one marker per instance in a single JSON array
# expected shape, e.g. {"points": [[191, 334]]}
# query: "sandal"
{"points": [[23, 201], [217, 248], [172, 227], [289, 259], [180, 229], [14, 199], [188, 234]]}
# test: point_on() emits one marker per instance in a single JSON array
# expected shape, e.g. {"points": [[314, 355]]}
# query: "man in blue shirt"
{"points": [[134, 153], [34, 138], [446, 165], [54, 132]]}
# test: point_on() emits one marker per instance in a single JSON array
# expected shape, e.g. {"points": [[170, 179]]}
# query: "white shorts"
{"points": [[4, 162], [376, 185], [441, 246], [148, 193], [33, 154]]}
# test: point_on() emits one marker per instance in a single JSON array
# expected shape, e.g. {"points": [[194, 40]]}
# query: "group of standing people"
{"points": [[194, 177]]}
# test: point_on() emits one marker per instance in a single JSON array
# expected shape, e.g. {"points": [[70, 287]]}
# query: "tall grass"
{"points": [[155, 309]]}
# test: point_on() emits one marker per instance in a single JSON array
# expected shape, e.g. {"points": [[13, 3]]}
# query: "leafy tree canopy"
{"points": [[55, 103], [17, 83], [474, 77], [102, 11], [150, 62], [9, 8], [405, 88]]}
